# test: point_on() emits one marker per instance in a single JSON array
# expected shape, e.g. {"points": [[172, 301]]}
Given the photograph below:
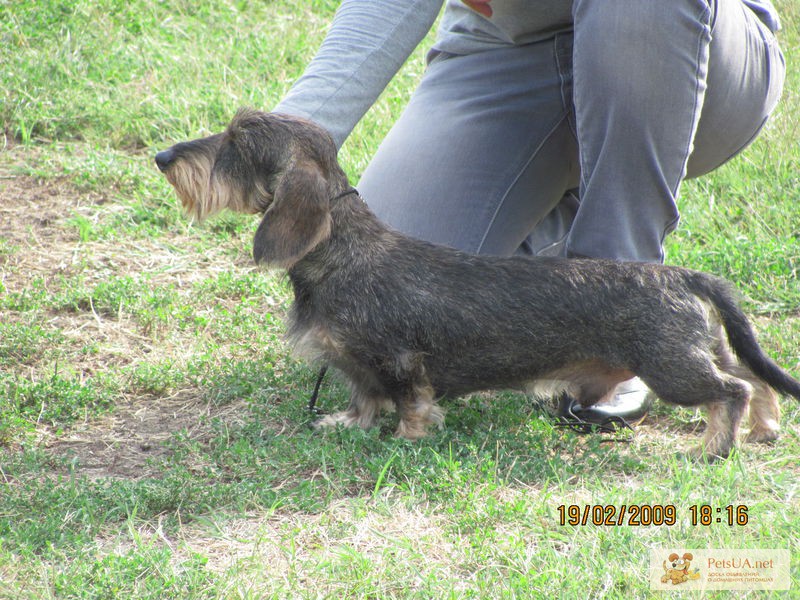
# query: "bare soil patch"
{"points": [[37, 241], [128, 443]]}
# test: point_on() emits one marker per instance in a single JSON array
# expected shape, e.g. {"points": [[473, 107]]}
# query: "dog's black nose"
{"points": [[164, 159]]}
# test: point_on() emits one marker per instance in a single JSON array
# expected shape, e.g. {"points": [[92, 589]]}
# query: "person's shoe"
{"points": [[631, 402]]}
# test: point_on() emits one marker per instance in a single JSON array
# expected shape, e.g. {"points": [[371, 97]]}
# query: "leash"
{"points": [[312, 402]]}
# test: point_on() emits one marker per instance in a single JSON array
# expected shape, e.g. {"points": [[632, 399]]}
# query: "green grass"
{"points": [[154, 441]]}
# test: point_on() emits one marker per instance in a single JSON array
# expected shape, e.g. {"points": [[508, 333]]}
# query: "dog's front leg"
{"points": [[363, 411], [418, 410]]}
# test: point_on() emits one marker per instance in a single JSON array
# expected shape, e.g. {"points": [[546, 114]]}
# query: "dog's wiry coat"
{"points": [[409, 322]]}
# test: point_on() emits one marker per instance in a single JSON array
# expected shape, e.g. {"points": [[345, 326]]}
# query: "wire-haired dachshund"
{"points": [[409, 322]]}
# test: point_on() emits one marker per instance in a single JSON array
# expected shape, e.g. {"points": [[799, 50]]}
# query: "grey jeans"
{"points": [[577, 145]]}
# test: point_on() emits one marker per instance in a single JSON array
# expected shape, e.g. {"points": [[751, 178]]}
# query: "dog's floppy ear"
{"points": [[297, 220]]}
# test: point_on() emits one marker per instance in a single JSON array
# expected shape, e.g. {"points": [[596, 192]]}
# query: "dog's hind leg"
{"points": [[722, 426], [765, 412], [693, 380]]}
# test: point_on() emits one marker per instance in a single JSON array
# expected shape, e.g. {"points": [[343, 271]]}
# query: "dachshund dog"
{"points": [[409, 322]]}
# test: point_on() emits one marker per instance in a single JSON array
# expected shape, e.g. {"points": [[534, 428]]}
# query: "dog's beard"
{"points": [[203, 194]]}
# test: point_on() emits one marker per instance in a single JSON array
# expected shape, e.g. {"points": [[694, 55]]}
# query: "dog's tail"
{"points": [[741, 336]]}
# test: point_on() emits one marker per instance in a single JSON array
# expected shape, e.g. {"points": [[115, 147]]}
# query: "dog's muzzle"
{"points": [[164, 159]]}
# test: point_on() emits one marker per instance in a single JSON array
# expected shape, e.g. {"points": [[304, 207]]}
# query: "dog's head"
{"points": [[282, 166], [681, 563]]}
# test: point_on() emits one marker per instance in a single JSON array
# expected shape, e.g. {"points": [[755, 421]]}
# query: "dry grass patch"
{"points": [[129, 443]]}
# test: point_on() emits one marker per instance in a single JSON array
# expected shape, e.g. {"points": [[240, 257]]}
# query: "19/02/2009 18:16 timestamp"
{"points": [[644, 515]]}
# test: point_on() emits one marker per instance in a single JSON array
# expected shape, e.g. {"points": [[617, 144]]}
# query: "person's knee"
{"points": [[620, 47]]}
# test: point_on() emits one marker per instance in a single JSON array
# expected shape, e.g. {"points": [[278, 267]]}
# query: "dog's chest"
{"points": [[315, 342]]}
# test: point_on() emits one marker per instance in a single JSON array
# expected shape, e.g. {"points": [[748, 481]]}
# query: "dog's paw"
{"points": [[765, 433], [415, 425], [706, 454], [344, 418], [410, 430]]}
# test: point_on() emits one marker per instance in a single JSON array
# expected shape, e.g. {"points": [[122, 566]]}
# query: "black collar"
{"points": [[347, 192]]}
